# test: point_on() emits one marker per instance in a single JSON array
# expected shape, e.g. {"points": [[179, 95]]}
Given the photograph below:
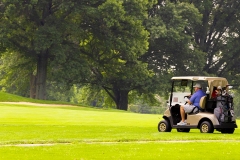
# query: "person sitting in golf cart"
{"points": [[214, 92], [192, 103]]}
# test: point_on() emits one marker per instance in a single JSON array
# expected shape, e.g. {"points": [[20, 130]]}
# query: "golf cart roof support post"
{"points": [[171, 93], [192, 88]]}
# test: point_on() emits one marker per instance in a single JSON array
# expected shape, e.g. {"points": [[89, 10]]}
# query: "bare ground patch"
{"points": [[138, 142]]}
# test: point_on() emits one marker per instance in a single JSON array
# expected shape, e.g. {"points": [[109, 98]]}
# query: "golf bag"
{"points": [[224, 108]]}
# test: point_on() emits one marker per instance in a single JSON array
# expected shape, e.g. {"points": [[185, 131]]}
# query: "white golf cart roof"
{"points": [[212, 81], [199, 78]]}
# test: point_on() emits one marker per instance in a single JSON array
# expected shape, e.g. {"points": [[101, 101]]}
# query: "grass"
{"points": [[6, 97], [74, 132]]}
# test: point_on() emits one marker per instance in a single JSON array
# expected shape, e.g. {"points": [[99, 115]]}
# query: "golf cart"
{"points": [[203, 118]]}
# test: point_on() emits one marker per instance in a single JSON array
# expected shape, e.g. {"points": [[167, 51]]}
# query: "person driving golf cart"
{"points": [[192, 103]]}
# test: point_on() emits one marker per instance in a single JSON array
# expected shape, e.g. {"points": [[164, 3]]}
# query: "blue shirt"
{"points": [[195, 98]]}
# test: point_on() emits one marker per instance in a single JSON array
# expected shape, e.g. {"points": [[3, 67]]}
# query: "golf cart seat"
{"points": [[202, 103]]}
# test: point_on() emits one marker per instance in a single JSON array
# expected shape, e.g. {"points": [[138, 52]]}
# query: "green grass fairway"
{"points": [[80, 133]]}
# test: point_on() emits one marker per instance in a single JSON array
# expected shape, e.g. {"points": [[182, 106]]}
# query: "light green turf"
{"points": [[125, 151], [88, 133]]}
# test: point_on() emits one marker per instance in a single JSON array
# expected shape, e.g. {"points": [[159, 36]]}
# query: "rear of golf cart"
{"points": [[203, 119]]}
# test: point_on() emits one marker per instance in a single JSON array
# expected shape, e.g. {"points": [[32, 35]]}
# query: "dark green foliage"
{"points": [[120, 47], [171, 50], [218, 36], [43, 31]]}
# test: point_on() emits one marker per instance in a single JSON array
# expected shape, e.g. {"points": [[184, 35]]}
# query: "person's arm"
{"points": [[188, 101], [191, 100]]}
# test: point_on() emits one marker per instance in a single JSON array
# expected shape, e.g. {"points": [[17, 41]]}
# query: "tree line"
{"points": [[119, 51]]}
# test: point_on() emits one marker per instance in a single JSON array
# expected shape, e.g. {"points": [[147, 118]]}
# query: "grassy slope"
{"points": [[87, 133], [7, 97]]}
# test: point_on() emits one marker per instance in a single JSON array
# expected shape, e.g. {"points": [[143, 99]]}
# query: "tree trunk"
{"points": [[41, 75], [121, 99]]}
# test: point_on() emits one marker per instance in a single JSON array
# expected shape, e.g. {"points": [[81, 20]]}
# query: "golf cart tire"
{"points": [[183, 130], [228, 130], [164, 126], [206, 127]]}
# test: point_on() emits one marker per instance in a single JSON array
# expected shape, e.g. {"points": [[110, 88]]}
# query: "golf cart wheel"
{"points": [[164, 126], [183, 129], [228, 130], [206, 127]]}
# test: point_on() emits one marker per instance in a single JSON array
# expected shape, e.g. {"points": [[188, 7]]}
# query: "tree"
{"points": [[113, 47], [56, 33], [40, 31], [218, 36], [171, 50]]}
